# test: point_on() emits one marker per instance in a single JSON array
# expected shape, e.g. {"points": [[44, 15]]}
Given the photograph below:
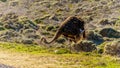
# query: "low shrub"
{"points": [[38, 21], [3, 0], [14, 3], [112, 48], [29, 31], [60, 40], [86, 46], [45, 33], [104, 22], [2, 28], [50, 27], [100, 48], [109, 32], [32, 36], [92, 35]]}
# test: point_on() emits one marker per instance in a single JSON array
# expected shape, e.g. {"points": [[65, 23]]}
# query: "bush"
{"points": [[60, 40], [29, 24], [10, 33], [2, 28], [117, 23], [110, 32], [14, 3], [38, 21], [45, 33], [11, 21], [33, 36], [104, 22], [94, 36], [29, 31], [49, 28], [86, 46], [10, 36], [112, 48], [3, 0], [100, 48]]}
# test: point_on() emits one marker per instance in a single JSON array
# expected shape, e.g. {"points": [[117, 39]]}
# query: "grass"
{"points": [[68, 60], [22, 48]]}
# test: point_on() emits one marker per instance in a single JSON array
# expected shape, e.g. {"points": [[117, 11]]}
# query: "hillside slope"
{"points": [[96, 9]]}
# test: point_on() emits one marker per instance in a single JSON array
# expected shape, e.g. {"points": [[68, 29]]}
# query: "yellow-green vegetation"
{"points": [[101, 47], [3, 0], [22, 48], [58, 59]]}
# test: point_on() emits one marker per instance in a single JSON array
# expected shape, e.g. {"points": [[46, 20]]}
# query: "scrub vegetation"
{"points": [[24, 22]]}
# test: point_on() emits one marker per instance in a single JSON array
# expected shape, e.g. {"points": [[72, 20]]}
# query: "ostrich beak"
{"points": [[81, 31]]}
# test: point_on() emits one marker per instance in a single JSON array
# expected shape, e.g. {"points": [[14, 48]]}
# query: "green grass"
{"points": [[23, 48], [79, 60]]}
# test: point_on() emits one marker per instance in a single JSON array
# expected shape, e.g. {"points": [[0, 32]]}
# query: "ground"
{"points": [[25, 59]]}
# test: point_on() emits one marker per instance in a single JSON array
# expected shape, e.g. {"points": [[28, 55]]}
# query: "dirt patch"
{"points": [[23, 60]]}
